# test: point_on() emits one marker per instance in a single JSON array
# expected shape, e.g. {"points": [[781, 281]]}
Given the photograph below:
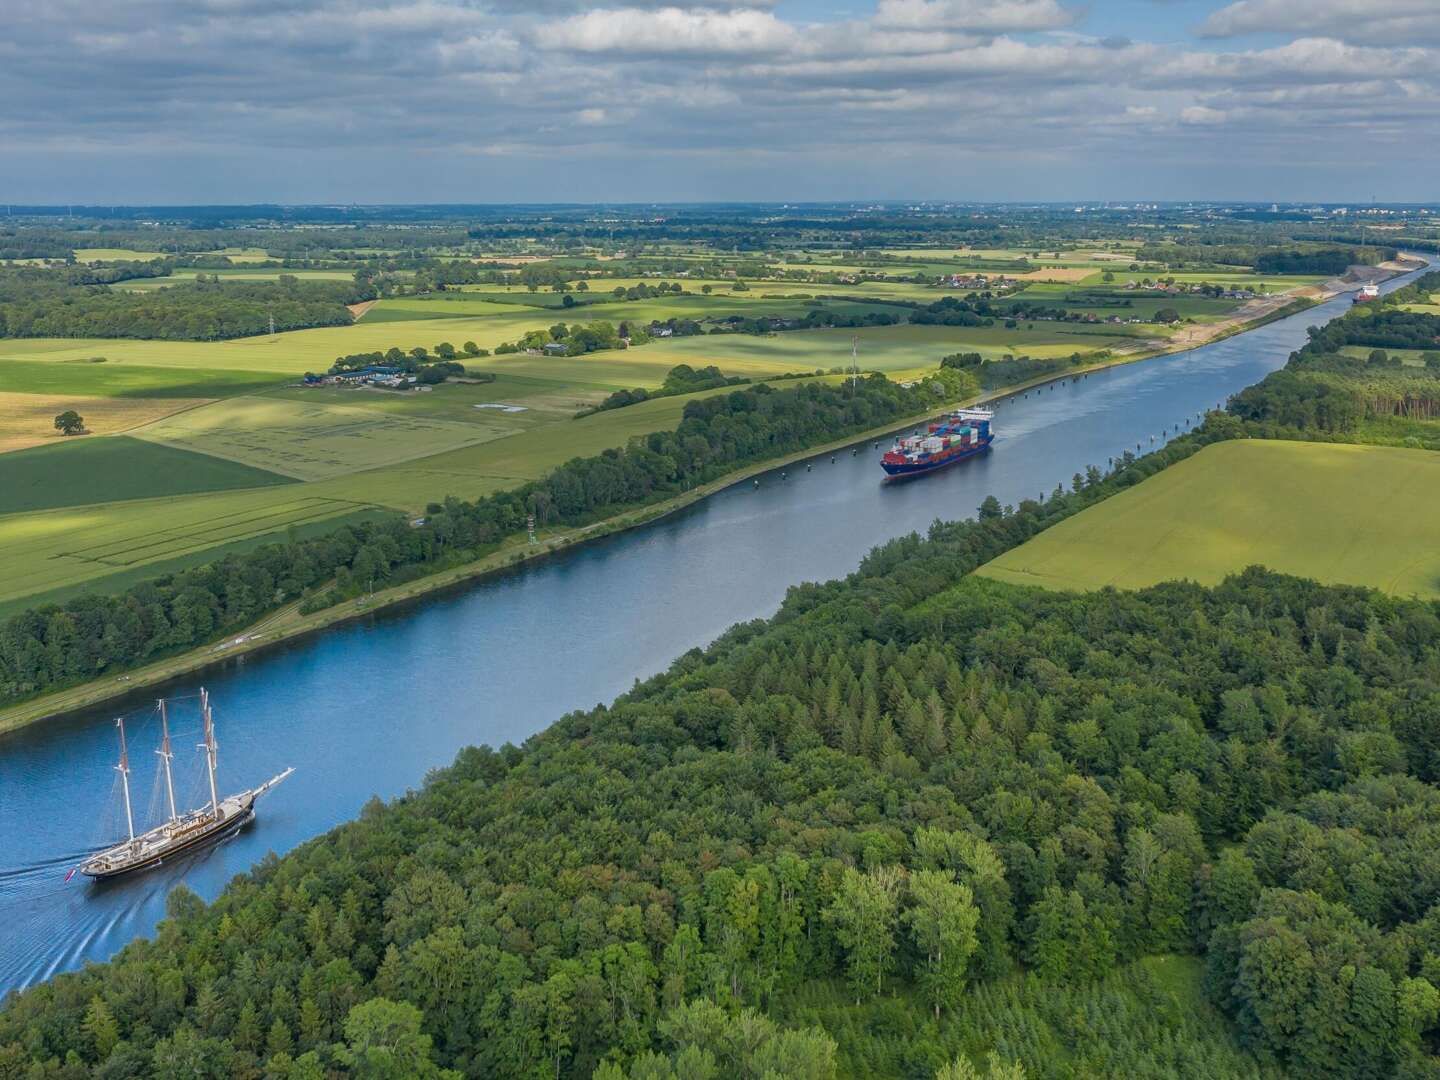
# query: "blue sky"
{"points": [[151, 101]]}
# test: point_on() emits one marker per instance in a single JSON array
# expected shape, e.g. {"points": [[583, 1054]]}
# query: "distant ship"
{"points": [[1367, 293], [182, 832], [953, 438]]}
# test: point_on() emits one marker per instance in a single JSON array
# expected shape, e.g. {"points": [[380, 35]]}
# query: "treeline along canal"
{"points": [[367, 708]]}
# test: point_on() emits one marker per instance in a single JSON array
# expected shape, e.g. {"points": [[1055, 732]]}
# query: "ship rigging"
{"points": [[181, 832]]}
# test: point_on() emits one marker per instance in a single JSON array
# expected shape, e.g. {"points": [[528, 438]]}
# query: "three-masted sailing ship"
{"points": [[183, 831]]}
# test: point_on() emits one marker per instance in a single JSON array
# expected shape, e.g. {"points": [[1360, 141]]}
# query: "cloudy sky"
{"points": [[226, 101]]}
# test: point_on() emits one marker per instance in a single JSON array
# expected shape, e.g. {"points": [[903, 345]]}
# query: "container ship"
{"points": [[1367, 293], [953, 438], [183, 830]]}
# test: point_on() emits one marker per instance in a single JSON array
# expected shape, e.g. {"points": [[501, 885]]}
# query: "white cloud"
{"points": [[1380, 22], [931, 82], [974, 16], [1202, 115], [669, 31]]}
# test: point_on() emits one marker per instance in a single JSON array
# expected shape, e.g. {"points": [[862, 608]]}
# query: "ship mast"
{"points": [[165, 756], [124, 770], [209, 747]]}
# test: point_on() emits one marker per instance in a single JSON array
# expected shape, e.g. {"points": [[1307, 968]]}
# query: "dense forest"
{"points": [[1220, 249], [917, 794], [55, 645], [38, 303]]}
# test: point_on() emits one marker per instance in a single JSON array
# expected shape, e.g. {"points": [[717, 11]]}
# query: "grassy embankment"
{"points": [[288, 623], [360, 453], [1340, 514]]}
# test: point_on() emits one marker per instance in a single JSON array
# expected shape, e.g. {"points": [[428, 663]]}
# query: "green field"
{"points": [[881, 348], [1359, 515], [243, 254], [314, 440], [55, 552], [478, 470], [183, 277], [120, 378], [115, 255], [51, 549], [115, 468], [117, 580], [1408, 357], [361, 451]]}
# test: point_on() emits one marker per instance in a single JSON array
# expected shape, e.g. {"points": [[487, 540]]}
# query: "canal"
{"points": [[366, 709]]}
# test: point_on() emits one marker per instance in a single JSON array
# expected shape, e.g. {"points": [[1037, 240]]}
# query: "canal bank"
{"points": [[368, 707], [289, 624]]}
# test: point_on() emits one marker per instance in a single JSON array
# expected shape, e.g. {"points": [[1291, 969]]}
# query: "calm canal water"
{"points": [[368, 708]]}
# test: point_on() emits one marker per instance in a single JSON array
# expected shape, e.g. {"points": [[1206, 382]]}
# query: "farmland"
{"points": [[252, 454], [28, 419], [53, 554], [314, 440], [116, 469], [252, 274], [1341, 514], [98, 254]]}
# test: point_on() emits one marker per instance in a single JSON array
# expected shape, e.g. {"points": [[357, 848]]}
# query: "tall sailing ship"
{"points": [[182, 832]]}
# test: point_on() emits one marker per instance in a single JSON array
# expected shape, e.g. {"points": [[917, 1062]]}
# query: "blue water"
{"points": [[366, 709]]}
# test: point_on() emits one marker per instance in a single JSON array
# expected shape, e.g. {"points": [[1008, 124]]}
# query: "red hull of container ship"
{"points": [[959, 435]]}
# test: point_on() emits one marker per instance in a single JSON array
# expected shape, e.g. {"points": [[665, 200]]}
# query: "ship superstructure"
{"points": [[954, 437], [219, 818]]}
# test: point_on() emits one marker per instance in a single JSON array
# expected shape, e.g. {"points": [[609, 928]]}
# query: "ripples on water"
{"points": [[369, 707]]}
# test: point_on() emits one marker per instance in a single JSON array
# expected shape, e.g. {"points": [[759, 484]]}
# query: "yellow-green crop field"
{"points": [[882, 348], [53, 549], [182, 277], [115, 255], [242, 255], [480, 469], [227, 449], [314, 440], [1358, 515]]}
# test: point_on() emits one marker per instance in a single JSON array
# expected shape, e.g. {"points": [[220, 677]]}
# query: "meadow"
{"points": [[29, 419], [218, 433], [892, 349], [1341, 514], [86, 255], [1408, 357], [184, 277], [314, 440], [53, 549], [78, 539], [115, 469], [480, 469]]}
